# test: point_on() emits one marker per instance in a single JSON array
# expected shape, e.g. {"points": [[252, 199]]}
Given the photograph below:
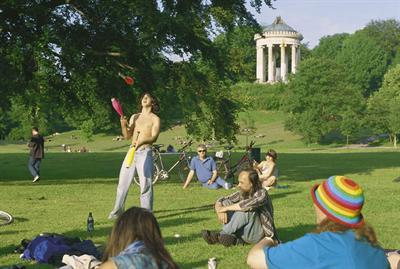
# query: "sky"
{"points": [[317, 18]]}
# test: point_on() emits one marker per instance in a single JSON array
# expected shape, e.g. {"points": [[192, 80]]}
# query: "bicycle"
{"points": [[224, 165], [159, 170], [5, 218]]}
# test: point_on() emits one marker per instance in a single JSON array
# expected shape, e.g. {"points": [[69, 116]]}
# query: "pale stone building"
{"points": [[278, 48]]}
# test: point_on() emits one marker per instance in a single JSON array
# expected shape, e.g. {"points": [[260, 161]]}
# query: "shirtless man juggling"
{"points": [[143, 128]]}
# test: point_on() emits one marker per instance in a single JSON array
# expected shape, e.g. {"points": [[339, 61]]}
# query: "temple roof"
{"points": [[278, 25]]}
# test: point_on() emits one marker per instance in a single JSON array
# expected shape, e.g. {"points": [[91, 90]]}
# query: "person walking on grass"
{"points": [[342, 239], [136, 242], [143, 129], [206, 171], [247, 215], [36, 152]]}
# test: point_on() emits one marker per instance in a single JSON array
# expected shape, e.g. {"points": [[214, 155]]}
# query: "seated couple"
{"points": [[206, 171], [247, 215], [267, 170]]}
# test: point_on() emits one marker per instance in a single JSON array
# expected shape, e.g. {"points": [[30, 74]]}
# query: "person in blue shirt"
{"points": [[342, 239], [206, 171], [136, 242]]}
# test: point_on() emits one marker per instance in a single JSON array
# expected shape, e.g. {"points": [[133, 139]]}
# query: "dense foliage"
{"points": [[384, 106], [329, 93], [60, 61]]}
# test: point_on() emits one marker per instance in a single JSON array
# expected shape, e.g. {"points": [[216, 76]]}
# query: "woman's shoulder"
{"points": [[136, 260]]}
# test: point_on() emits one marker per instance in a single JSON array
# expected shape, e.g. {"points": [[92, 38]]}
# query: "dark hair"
{"points": [[272, 153], [138, 223], [155, 108], [254, 179], [36, 129]]}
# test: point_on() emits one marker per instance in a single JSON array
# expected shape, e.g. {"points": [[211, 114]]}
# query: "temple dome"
{"points": [[279, 27]]}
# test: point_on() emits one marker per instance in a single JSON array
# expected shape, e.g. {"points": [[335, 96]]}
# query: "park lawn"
{"points": [[73, 185], [269, 133]]}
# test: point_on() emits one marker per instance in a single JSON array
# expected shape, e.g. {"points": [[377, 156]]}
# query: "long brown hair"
{"points": [[155, 107], [365, 231], [254, 179], [138, 224]]}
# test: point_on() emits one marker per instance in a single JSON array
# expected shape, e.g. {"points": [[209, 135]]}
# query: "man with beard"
{"points": [[247, 215]]}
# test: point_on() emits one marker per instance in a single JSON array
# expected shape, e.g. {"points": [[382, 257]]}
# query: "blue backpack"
{"points": [[44, 248]]}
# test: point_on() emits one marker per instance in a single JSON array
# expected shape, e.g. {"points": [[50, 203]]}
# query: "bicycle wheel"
{"points": [[156, 174], [222, 169], [183, 170], [5, 218]]}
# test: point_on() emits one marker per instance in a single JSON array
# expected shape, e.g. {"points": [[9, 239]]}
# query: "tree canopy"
{"points": [[384, 106], [318, 98], [61, 59]]}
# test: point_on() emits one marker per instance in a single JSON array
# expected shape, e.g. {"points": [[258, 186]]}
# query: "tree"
{"points": [[82, 45], [384, 106], [386, 33], [364, 60], [317, 97], [330, 46], [350, 123], [238, 51], [87, 128]]}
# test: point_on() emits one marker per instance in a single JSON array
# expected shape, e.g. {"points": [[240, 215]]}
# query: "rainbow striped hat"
{"points": [[340, 199]]}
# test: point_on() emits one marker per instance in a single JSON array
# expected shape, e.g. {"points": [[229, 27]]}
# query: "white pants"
{"points": [[143, 166]]}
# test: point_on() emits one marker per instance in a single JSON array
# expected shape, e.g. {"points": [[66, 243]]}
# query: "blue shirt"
{"points": [[137, 256], [326, 250], [203, 168]]}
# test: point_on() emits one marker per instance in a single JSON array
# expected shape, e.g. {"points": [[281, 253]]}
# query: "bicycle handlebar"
{"points": [[188, 144], [250, 146]]}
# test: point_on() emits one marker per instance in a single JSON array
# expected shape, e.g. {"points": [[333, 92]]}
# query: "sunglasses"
{"points": [[202, 150]]}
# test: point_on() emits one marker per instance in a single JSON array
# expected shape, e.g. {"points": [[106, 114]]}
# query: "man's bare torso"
{"points": [[143, 126]]}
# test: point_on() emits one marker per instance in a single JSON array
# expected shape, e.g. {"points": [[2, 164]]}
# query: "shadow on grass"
{"points": [[20, 219], [194, 265], [12, 232], [59, 182], [176, 222], [180, 211], [99, 232], [171, 240], [309, 166], [291, 233], [106, 165], [7, 250], [279, 195], [119, 147]]}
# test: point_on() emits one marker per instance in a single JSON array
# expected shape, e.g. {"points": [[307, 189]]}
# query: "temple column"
{"points": [[298, 55], [260, 64], [294, 58], [270, 64], [283, 62]]}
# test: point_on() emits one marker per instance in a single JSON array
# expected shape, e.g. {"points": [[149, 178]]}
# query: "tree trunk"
{"points": [[347, 140], [395, 141]]}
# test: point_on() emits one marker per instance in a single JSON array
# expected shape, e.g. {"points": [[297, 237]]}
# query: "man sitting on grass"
{"points": [[206, 171], [246, 215]]}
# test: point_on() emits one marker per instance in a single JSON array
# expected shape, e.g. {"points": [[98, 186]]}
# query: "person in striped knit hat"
{"points": [[341, 239]]}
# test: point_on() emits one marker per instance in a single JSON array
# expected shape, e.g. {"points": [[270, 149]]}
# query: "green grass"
{"points": [[74, 184], [269, 133]]}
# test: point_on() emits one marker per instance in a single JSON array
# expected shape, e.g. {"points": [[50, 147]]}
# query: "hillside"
{"points": [[269, 133]]}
